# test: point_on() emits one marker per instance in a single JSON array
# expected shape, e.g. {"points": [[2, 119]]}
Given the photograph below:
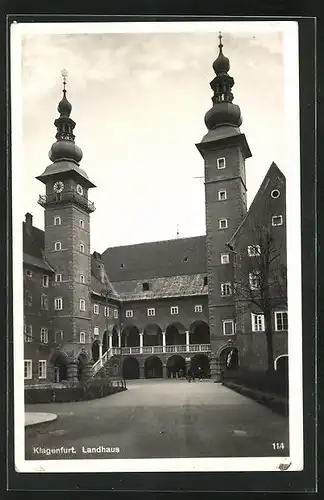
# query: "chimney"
{"points": [[29, 222]]}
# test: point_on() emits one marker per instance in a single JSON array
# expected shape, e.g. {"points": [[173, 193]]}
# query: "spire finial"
{"points": [[64, 74], [220, 36]]}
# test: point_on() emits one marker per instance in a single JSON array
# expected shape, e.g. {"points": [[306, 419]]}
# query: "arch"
{"points": [[115, 336], [152, 335], [175, 365], [199, 333], [105, 341], [95, 350], [130, 336], [60, 362], [200, 364], [281, 365], [153, 367], [131, 368], [82, 361], [228, 358], [175, 334]]}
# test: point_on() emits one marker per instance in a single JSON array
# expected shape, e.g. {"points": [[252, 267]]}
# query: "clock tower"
{"points": [[67, 239], [224, 149]]}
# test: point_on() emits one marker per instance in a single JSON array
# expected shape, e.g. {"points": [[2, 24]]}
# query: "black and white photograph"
{"points": [[156, 246]]}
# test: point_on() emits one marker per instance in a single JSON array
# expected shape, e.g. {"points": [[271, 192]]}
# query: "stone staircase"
{"points": [[99, 367]]}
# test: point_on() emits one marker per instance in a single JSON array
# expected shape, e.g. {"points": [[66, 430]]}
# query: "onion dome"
{"points": [[64, 107], [223, 112], [65, 148], [221, 64]]}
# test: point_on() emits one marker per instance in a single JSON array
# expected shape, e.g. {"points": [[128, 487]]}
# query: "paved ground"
{"points": [[160, 418]]}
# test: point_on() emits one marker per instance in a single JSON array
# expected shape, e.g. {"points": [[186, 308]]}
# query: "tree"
{"points": [[260, 277]]}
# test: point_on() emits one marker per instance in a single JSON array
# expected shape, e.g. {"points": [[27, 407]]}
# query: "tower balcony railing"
{"points": [[66, 196]]}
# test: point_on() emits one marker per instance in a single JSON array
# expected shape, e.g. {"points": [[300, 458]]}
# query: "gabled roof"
{"points": [[162, 288], [182, 256], [272, 173]]}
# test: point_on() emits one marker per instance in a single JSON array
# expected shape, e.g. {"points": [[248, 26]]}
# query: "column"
{"points": [[72, 371], [87, 371], [188, 362], [100, 353], [215, 372], [163, 341], [141, 336], [50, 373], [119, 340], [165, 371], [110, 340], [141, 370], [187, 340]]}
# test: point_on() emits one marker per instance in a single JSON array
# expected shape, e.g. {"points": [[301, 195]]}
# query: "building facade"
{"points": [[152, 309]]}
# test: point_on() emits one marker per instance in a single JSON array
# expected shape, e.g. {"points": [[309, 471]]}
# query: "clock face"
{"points": [[58, 187], [79, 189]]}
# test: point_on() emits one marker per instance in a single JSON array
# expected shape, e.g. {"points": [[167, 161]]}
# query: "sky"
{"points": [[139, 100]]}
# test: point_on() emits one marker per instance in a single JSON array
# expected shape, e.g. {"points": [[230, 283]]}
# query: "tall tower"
{"points": [[67, 235], [224, 149]]}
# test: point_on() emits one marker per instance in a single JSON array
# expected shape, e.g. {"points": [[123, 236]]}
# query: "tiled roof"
{"points": [[163, 287], [33, 241], [182, 256], [30, 260], [99, 288]]}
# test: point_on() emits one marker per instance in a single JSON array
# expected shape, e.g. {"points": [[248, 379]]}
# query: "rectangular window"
{"points": [[45, 281], [82, 305], [129, 313], [58, 303], [228, 327], [81, 278], [82, 337], [28, 333], [281, 320], [151, 311], [254, 280], [81, 224], [58, 336], [96, 330], [224, 258], [257, 322], [222, 223], [205, 280], [221, 163], [81, 247], [44, 302], [174, 310], [95, 309], [29, 273], [115, 313], [226, 289], [198, 308], [277, 220], [58, 277], [42, 368], [44, 336], [254, 250], [28, 368], [222, 195], [57, 220], [58, 246], [107, 312]]}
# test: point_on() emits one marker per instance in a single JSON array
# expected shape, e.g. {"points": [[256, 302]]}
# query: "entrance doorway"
{"points": [[176, 366], [200, 365], [153, 367], [131, 369]]}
